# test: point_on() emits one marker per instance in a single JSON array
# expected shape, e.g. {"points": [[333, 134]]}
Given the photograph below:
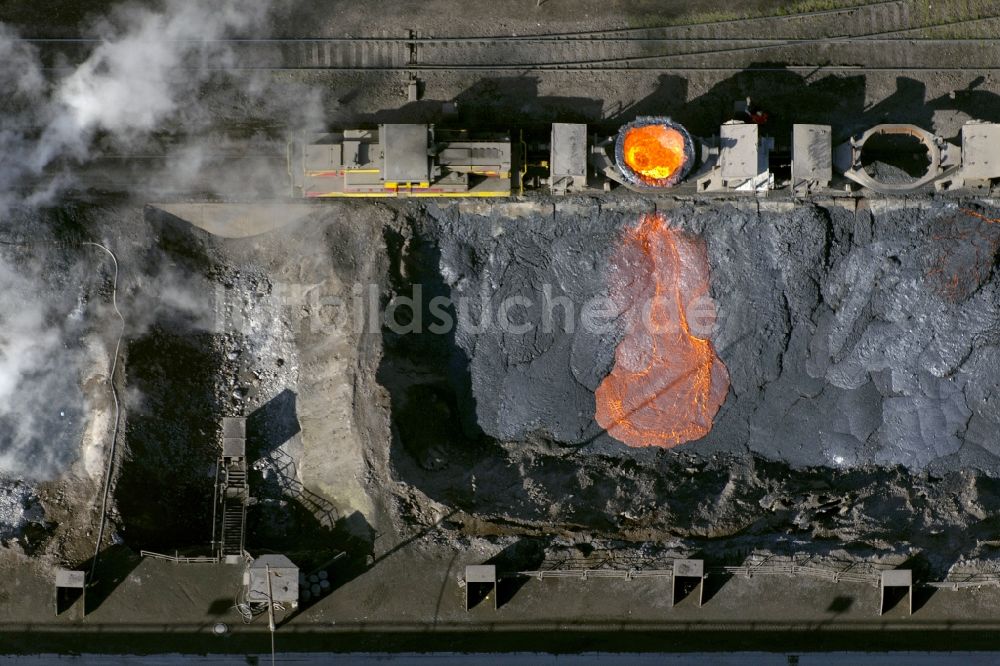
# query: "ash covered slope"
{"points": [[851, 339], [847, 342], [540, 382]]}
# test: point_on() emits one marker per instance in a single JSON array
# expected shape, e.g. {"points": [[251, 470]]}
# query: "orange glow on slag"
{"points": [[667, 382], [654, 151], [991, 220]]}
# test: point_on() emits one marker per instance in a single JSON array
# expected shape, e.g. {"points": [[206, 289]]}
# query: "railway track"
{"points": [[892, 35]]}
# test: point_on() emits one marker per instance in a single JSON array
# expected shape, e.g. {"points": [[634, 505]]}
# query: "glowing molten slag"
{"points": [[991, 220], [654, 151], [667, 382]]}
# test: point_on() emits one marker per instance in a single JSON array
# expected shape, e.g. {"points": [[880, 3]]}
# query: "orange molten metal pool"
{"points": [[654, 152], [667, 382]]}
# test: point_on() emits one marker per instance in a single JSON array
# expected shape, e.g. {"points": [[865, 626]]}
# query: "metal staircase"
{"points": [[232, 493], [234, 511]]}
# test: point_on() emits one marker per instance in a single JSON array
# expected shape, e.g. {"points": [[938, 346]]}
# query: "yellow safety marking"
{"points": [[329, 195], [459, 195]]}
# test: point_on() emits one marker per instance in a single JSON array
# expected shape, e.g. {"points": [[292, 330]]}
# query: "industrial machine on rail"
{"points": [[648, 155], [401, 160]]}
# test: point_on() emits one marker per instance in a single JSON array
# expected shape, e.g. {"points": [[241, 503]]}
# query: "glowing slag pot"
{"points": [[654, 151]]}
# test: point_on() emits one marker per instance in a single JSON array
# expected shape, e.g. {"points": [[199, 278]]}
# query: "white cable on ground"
{"points": [[114, 395]]}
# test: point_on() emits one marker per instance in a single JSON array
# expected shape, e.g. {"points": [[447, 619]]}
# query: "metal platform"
{"points": [[283, 587], [480, 584], [568, 158], [812, 158], [688, 580], [234, 437], [740, 161], [70, 590], [893, 581]]}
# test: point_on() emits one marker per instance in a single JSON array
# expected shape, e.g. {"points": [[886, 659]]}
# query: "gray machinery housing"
{"points": [[568, 158], [739, 163], [284, 583]]}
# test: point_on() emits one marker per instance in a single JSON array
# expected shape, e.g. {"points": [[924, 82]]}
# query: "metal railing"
{"points": [[180, 559], [835, 571]]}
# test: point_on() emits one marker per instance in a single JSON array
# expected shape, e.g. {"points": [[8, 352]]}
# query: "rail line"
{"points": [[742, 22], [828, 54], [886, 35], [561, 36]]}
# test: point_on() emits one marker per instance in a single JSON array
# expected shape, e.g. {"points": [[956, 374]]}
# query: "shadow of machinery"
{"points": [[272, 424], [286, 513], [922, 574], [289, 518], [791, 97], [348, 553], [840, 604], [352, 541], [114, 565], [713, 582], [496, 103], [275, 474], [972, 100], [163, 493], [527, 554], [787, 96]]}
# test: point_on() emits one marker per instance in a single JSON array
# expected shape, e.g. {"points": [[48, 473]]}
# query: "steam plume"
{"points": [[135, 80], [143, 74]]}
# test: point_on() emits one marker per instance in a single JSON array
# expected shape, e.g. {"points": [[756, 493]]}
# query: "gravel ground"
{"points": [[862, 387], [19, 508], [861, 345], [433, 17]]}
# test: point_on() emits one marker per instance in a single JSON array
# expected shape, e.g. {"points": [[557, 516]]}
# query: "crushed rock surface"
{"points": [[863, 350]]}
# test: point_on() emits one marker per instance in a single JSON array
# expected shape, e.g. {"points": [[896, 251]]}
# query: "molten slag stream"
{"points": [[654, 151], [991, 220], [667, 382]]}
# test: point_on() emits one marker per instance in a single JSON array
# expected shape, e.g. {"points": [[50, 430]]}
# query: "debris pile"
{"points": [[19, 507]]}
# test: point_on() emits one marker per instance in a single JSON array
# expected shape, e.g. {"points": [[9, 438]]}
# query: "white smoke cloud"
{"points": [[144, 74], [41, 400], [21, 74], [135, 79], [147, 68], [167, 294], [24, 88]]}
